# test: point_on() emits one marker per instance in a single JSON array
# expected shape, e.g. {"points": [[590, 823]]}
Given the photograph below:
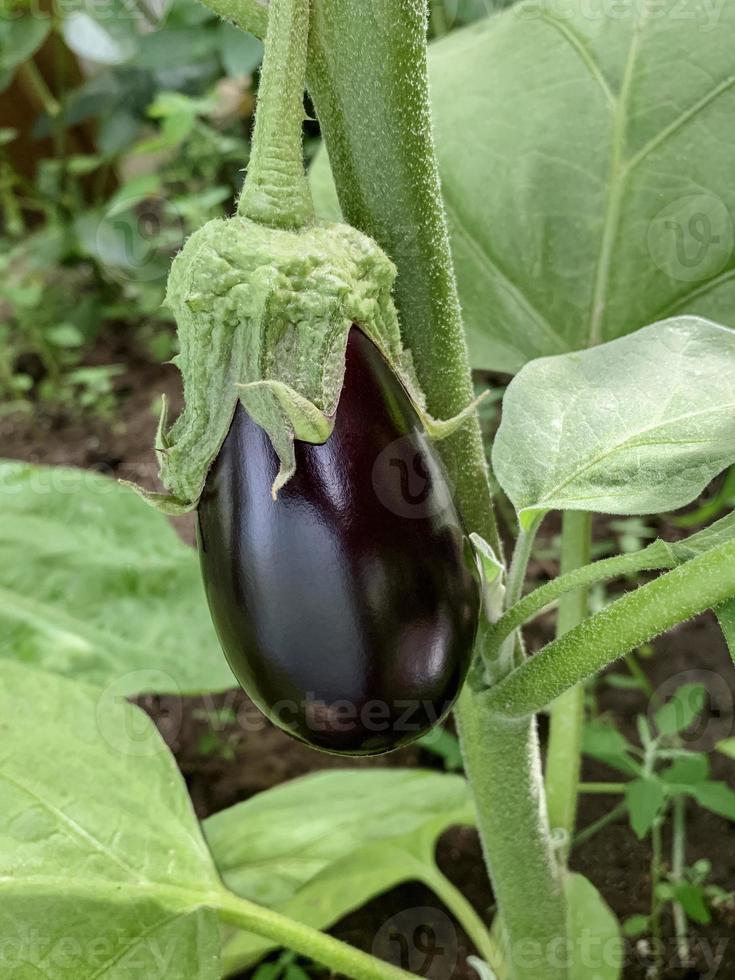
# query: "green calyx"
{"points": [[264, 300], [263, 317]]}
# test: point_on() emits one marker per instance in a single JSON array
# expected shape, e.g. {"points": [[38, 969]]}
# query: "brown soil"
{"points": [[614, 859]]}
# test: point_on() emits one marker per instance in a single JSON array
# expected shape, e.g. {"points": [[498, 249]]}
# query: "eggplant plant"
{"points": [[308, 349]]}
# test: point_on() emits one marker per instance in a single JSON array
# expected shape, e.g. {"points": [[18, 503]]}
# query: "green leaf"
{"points": [[241, 53], [688, 770], [682, 710], [645, 798], [727, 747], [105, 873], [594, 933], [717, 797], [593, 431], [20, 38], [576, 209], [635, 925], [106, 41], [97, 586], [603, 741], [444, 744], [692, 899], [726, 619], [306, 848]]}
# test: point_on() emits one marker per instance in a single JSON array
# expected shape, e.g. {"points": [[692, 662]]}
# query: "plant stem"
{"points": [[656, 934], [564, 752], [655, 557], [276, 191], [519, 564], [678, 847], [637, 617], [510, 653], [504, 768], [332, 953], [34, 85], [636, 671], [470, 921], [613, 789], [594, 828]]}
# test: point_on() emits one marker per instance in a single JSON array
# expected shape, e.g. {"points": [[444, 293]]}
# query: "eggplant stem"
{"points": [[276, 192]]}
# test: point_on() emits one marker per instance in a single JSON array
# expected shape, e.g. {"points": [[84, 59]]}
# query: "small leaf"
{"points": [[645, 798], [692, 900], [604, 742], [688, 770], [727, 747], [682, 710], [716, 797], [595, 943], [636, 925], [591, 431]]}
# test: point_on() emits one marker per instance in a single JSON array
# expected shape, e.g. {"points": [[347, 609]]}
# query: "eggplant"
{"points": [[347, 608]]}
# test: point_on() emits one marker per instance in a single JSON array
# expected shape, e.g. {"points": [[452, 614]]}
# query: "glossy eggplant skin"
{"points": [[348, 607]]}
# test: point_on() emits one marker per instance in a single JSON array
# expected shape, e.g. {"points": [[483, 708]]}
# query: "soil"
{"points": [[614, 859]]}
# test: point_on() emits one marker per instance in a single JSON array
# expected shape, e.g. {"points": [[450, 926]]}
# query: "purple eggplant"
{"points": [[347, 608]]}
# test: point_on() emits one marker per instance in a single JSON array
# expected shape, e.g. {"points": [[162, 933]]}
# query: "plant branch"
{"points": [[564, 752], [337, 956], [637, 617], [275, 191], [655, 557]]}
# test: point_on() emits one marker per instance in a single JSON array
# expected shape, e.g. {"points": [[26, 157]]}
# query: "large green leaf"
{"points": [[321, 846], [636, 426], [97, 586], [597, 951], [104, 872], [586, 164]]}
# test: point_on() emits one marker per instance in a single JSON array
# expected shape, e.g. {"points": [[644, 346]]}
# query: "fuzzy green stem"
{"points": [[564, 752], [332, 953], [655, 557], [276, 192], [637, 617]]}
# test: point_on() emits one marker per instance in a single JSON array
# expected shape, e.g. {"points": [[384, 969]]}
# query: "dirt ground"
{"points": [[614, 859]]}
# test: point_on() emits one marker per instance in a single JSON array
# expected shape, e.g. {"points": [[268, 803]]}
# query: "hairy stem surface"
{"points": [[564, 753]]}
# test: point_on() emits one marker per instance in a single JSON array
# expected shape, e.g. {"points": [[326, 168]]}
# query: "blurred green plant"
{"points": [[87, 241]]}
